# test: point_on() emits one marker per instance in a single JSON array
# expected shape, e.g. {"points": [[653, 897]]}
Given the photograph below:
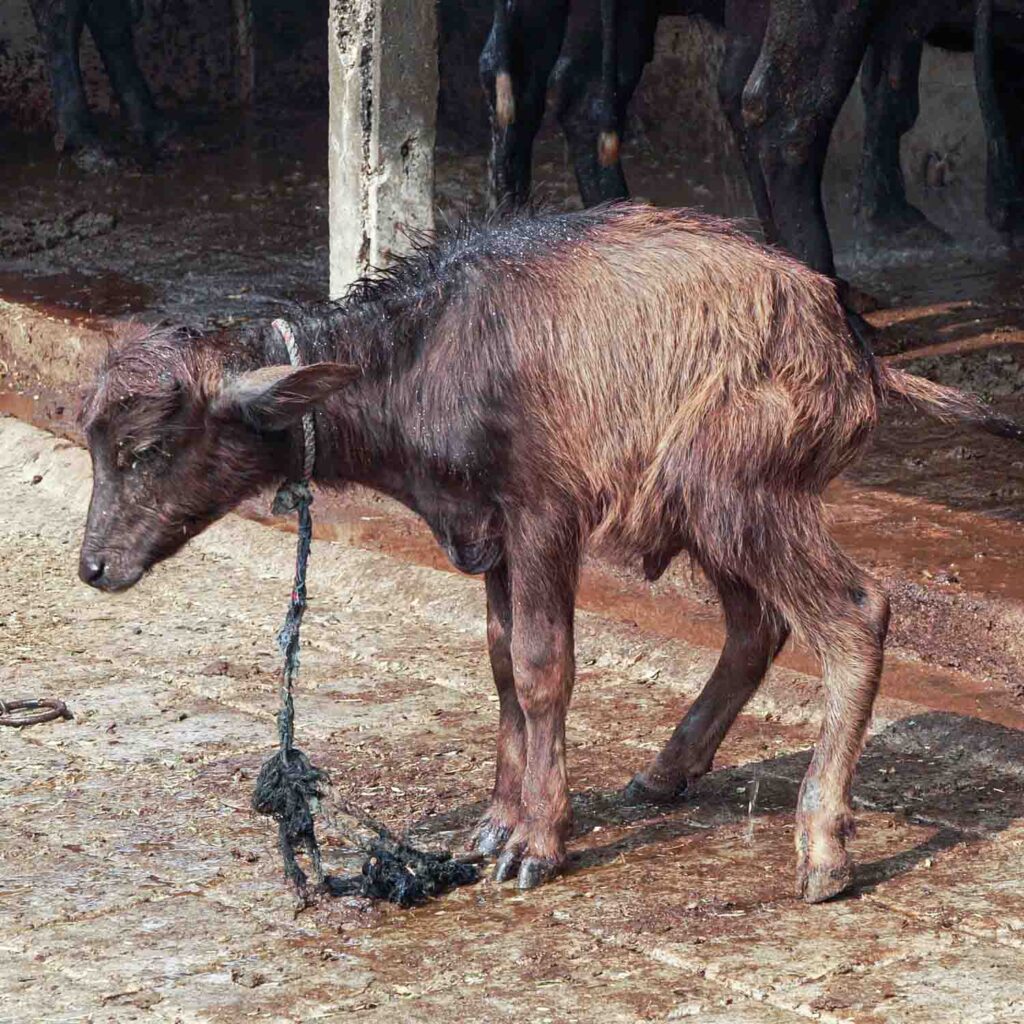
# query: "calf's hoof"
{"points": [[490, 837], [640, 790], [535, 870], [529, 872], [824, 882], [529, 869]]}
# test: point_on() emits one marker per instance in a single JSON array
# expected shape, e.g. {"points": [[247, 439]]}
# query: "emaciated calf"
{"points": [[652, 380]]}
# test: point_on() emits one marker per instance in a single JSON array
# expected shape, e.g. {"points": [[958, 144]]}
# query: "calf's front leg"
{"points": [[543, 665], [502, 815]]}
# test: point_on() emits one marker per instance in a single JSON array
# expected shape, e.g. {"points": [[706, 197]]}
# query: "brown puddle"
{"points": [[43, 408], [884, 528], [96, 295], [957, 346]]}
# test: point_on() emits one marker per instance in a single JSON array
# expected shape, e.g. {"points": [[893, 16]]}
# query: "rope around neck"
{"points": [[287, 335], [289, 787]]}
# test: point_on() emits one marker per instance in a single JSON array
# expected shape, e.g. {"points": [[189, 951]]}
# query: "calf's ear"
{"points": [[277, 396]]}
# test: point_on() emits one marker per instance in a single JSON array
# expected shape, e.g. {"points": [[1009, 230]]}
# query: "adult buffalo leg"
{"points": [[744, 27], [889, 88], [59, 23], [998, 79], [1009, 67], [754, 636], [110, 22], [578, 90], [544, 565], [889, 83], [515, 65], [502, 816], [807, 64]]}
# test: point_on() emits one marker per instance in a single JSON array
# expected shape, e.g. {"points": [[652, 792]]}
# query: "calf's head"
{"points": [[177, 440]]}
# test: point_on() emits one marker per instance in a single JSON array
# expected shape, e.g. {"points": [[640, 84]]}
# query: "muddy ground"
{"points": [[134, 882]]}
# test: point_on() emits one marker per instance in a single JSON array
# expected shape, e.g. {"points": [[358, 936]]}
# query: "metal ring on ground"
{"points": [[47, 710]]}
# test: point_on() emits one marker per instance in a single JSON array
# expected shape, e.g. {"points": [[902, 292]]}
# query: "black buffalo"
{"points": [[788, 67], [110, 22]]}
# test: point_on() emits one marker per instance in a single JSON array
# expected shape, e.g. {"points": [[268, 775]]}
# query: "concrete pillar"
{"points": [[382, 62]]}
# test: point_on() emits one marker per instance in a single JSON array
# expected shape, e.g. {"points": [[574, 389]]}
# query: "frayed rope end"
{"points": [[290, 792], [401, 874]]}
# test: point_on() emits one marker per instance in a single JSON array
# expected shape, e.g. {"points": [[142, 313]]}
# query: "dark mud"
{"points": [[21, 236], [234, 226]]}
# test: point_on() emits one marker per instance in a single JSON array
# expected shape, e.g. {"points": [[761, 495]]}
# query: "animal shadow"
{"points": [[958, 774]]}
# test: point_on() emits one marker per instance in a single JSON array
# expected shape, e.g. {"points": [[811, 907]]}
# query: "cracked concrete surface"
{"points": [[136, 885]]}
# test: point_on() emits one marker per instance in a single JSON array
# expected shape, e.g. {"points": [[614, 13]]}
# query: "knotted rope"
{"points": [[290, 787]]}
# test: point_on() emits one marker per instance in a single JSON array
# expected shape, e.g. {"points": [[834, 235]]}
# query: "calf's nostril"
{"points": [[91, 570]]}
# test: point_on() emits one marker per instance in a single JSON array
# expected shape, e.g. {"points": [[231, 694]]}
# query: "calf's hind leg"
{"points": [[754, 636], [502, 816], [850, 642], [844, 615]]}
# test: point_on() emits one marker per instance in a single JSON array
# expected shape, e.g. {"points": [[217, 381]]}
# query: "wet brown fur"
{"points": [[648, 380]]}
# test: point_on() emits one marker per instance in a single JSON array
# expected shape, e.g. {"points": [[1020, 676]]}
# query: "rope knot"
{"points": [[290, 497]]}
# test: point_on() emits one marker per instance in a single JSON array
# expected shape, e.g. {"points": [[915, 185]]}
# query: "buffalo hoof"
{"points": [[536, 870], [640, 791], [818, 884], [529, 872], [94, 159], [906, 228], [856, 299], [163, 136], [490, 837], [925, 235]]}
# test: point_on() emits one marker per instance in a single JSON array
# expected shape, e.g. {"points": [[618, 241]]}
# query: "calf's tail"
{"points": [[504, 96], [945, 403], [608, 139]]}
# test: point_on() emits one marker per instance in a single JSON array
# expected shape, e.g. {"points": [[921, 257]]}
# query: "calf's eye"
{"points": [[128, 457]]}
